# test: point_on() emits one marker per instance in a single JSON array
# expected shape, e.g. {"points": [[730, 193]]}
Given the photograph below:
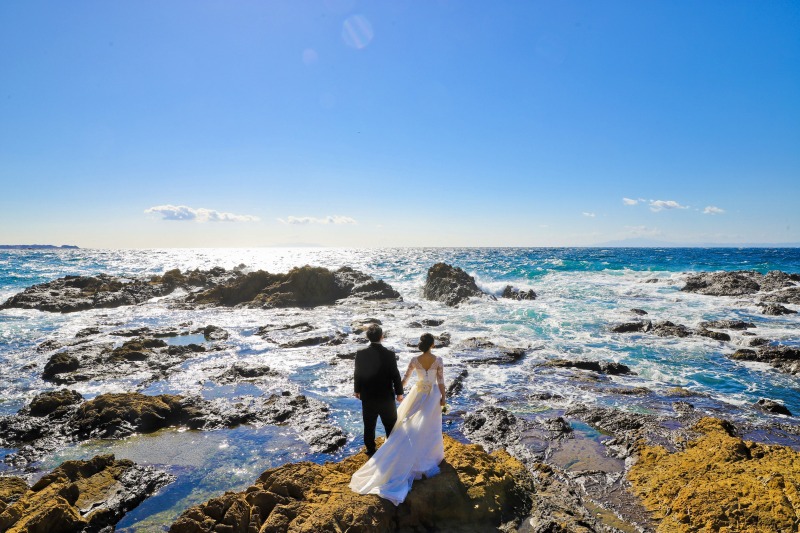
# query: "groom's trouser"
{"points": [[371, 410]]}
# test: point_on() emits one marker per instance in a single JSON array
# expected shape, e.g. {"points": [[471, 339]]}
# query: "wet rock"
{"points": [[53, 403], [784, 358], [112, 416], [627, 428], [719, 482], [360, 326], [78, 293], [629, 391], [147, 358], [666, 328], [716, 335], [315, 340], [474, 492], [775, 280], [457, 385], [60, 363], [774, 309], [301, 327], [426, 323], [784, 296], [771, 406], [87, 332], [475, 343], [601, 367], [239, 372], [682, 408], [214, 333], [450, 285], [642, 326], [651, 280], [727, 324], [514, 293], [737, 283], [756, 341], [505, 356], [640, 312], [300, 287], [82, 496]]}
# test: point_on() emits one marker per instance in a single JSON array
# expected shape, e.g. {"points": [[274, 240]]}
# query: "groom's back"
{"points": [[376, 372]]}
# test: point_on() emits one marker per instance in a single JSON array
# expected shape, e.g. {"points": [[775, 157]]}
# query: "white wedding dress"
{"points": [[414, 448]]}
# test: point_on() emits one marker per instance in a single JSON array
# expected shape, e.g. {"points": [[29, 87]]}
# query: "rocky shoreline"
{"points": [[505, 472]]}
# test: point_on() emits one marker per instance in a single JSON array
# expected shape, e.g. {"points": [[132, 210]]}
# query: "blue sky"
{"points": [[450, 123]]}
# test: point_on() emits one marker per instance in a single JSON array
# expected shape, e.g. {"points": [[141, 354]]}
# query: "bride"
{"points": [[415, 447]]}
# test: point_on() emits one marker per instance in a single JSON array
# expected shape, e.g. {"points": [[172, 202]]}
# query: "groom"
{"points": [[376, 382]]}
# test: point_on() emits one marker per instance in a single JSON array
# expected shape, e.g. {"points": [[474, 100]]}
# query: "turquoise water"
{"points": [[580, 292]]}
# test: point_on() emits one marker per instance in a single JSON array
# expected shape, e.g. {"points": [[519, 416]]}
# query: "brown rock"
{"points": [[78, 496], [720, 483], [474, 492]]}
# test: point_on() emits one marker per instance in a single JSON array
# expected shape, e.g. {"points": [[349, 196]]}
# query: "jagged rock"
{"points": [[119, 415], [457, 385], [627, 428], [630, 327], [771, 406], [147, 357], [78, 293], [215, 333], [450, 285], [784, 358], [53, 403], [80, 496], [315, 340], [735, 283], [601, 367], [666, 328], [727, 324], [239, 372], [300, 287], [474, 492], [716, 335], [774, 309], [60, 363], [640, 312], [11, 488], [790, 295], [743, 282], [514, 293], [502, 356], [302, 327], [426, 323], [719, 482], [87, 332]]}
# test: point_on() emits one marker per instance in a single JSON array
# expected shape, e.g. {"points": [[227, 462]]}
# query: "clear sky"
{"points": [[395, 123]]}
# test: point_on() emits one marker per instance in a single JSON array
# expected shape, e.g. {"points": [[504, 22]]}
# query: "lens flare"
{"points": [[357, 31]]}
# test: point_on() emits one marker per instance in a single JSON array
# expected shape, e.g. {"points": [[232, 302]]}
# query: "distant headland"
{"points": [[37, 247]]}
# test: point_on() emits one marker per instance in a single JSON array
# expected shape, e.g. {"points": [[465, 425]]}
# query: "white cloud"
{"points": [[713, 210], [590, 215], [629, 201], [336, 219], [660, 205], [199, 214]]}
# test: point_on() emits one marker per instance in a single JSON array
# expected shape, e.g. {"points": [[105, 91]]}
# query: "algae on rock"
{"points": [[720, 483]]}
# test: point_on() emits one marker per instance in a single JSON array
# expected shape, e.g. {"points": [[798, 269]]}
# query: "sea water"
{"points": [[580, 293]]}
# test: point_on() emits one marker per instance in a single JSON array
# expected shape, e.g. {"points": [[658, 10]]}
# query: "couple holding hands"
{"points": [[413, 446]]}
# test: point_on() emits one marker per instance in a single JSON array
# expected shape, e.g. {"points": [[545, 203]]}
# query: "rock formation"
{"points": [[720, 482], [739, 283], [300, 287], [475, 492], [79, 496], [784, 358], [450, 285], [514, 293]]}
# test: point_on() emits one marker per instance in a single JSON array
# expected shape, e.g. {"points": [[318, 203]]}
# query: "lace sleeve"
{"points": [[440, 372], [408, 372]]}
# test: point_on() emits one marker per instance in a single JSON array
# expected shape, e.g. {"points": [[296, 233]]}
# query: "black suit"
{"points": [[377, 381]]}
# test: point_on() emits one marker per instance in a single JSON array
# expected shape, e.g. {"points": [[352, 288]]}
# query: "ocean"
{"points": [[580, 293]]}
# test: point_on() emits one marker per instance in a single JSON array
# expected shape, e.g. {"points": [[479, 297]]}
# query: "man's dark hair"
{"points": [[374, 333]]}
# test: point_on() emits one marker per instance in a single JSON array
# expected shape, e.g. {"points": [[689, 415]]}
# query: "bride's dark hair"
{"points": [[425, 342]]}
